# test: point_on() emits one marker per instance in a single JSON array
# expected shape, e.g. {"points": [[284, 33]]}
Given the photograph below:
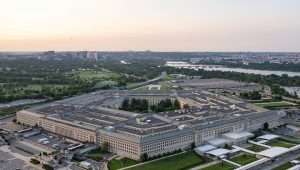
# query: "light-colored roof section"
{"points": [[218, 152], [295, 162], [238, 135], [273, 152], [204, 148], [297, 167], [218, 141], [268, 137]]}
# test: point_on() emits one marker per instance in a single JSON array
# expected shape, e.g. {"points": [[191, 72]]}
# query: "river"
{"points": [[227, 69]]}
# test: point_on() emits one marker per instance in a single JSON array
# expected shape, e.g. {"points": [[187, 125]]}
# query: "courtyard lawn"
{"points": [[284, 166], [178, 162], [120, 163], [220, 166], [256, 148], [280, 143], [244, 159]]}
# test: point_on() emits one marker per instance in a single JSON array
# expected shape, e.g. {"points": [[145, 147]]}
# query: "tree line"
{"points": [[142, 105]]}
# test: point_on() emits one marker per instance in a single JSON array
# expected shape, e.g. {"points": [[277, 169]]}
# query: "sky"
{"points": [[158, 25]]}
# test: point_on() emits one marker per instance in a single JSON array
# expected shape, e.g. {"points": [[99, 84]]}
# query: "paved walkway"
{"points": [[230, 162], [260, 144], [244, 149], [205, 165]]}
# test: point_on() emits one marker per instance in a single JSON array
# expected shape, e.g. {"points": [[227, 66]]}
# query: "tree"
{"points": [[177, 104], [34, 161], [144, 157], [105, 146], [255, 95], [226, 146], [266, 126], [47, 167], [186, 106], [193, 145], [125, 104]]}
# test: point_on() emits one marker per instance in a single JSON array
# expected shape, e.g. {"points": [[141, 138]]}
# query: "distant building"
{"points": [[92, 55]]}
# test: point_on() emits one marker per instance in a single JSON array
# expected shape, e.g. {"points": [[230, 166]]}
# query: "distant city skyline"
{"points": [[158, 25]]}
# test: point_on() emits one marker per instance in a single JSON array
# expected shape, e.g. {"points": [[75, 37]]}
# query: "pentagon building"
{"points": [[95, 118]]}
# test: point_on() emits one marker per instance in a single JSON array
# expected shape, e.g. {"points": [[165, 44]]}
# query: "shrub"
{"points": [[34, 161], [47, 167]]}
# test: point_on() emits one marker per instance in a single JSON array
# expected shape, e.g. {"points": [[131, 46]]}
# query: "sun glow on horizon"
{"points": [[149, 24]]}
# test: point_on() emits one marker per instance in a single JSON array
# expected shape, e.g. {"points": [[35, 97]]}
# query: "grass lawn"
{"points": [[256, 148], [275, 104], [11, 110], [23, 91], [182, 161], [220, 166], [8, 111], [108, 83], [284, 166], [280, 143], [117, 164], [92, 74], [134, 85], [244, 159], [37, 87], [293, 139]]}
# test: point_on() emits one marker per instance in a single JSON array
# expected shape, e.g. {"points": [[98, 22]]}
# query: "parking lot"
{"points": [[10, 162]]}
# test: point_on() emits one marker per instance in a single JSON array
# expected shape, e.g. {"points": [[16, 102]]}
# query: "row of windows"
{"points": [[162, 144], [71, 132], [26, 119], [120, 144]]}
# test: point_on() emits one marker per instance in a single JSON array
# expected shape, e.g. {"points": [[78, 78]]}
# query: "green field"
{"points": [[284, 166], [95, 75], [120, 163], [178, 162], [275, 104], [105, 83], [220, 166], [256, 148], [244, 159], [8, 111], [280, 143], [33, 89]]}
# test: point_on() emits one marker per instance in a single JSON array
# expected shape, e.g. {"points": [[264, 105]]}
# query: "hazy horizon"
{"points": [[139, 25]]}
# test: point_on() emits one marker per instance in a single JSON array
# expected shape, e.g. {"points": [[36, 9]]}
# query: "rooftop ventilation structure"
{"points": [[109, 128], [181, 127]]}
